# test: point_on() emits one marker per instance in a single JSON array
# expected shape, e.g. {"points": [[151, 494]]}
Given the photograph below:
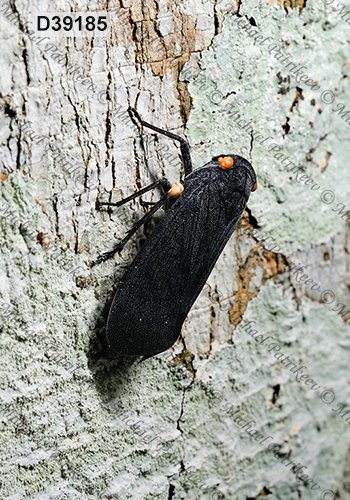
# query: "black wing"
{"points": [[167, 275]]}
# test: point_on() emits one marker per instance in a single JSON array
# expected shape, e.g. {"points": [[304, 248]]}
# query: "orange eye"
{"points": [[255, 187], [226, 162]]}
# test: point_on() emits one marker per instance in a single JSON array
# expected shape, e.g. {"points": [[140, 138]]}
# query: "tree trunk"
{"points": [[252, 399]]}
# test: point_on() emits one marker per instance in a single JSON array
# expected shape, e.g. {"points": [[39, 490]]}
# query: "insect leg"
{"points": [[184, 147], [147, 203], [121, 244], [161, 182]]}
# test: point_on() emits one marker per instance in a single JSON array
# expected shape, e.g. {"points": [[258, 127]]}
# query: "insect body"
{"points": [[164, 280]]}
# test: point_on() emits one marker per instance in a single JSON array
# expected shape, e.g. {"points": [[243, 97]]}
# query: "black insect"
{"points": [[164, 280]]}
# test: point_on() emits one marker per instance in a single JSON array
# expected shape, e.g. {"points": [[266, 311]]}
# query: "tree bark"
{"points": [[196, 421]]}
